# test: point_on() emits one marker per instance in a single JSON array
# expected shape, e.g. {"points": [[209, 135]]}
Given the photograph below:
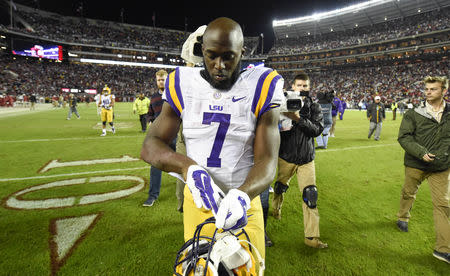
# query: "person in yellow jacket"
{"points": [[141, 105], [394, 107]]}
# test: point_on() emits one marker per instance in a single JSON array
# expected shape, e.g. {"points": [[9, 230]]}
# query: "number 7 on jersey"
{"points": [[224, 122]]}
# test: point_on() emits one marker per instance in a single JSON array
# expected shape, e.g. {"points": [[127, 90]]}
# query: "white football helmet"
{"points": [[192, 46], [223, 254]]}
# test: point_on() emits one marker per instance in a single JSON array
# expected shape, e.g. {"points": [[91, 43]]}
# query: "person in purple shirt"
{"points": [[342, 108], [336, 105]]}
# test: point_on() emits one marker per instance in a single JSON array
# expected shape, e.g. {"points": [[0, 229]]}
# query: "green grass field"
{"points": [[359, 182]]}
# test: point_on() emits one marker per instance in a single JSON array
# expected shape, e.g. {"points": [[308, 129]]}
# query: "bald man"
{"points": [[229, 119]]}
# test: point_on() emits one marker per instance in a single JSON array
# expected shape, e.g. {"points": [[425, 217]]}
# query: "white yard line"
{"points": [[71, 174], [68, 139], [355, 148], [19, 111]]}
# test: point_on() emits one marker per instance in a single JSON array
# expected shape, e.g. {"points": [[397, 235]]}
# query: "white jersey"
{"points": [[106, 101], [97, 99], [219, 126]]}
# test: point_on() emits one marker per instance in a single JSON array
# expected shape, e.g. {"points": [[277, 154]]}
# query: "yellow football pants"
{"points": [[192, 216], [107, 115]]}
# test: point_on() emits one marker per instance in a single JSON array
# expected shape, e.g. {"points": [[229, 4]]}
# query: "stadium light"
{"points": [[323, 15], [113, 62]]}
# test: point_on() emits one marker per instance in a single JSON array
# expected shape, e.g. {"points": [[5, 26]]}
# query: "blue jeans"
{"points": [[155, 178], [155, 183], [322, 140], [265, 198]]}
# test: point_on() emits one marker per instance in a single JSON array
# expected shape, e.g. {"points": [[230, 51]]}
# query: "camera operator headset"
{"points": [[326, 103], [297, 155]]}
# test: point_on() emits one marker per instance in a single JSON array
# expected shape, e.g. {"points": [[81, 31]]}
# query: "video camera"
{"points": [[294, 101]]}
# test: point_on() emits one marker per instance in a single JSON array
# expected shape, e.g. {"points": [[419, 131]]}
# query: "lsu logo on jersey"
{"points": [[215, 107]]}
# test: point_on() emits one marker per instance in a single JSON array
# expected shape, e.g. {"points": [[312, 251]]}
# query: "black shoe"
{"points": [[149, 202], [442, 256], [320, 147], [402, 225], [267, 240]]}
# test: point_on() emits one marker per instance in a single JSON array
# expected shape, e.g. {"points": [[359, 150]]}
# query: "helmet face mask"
{"points": [[221, 254]]}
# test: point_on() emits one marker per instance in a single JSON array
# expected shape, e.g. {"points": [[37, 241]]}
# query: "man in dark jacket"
{"points": [[376, 115], [425, 136], [156, 103], [297, 155]]}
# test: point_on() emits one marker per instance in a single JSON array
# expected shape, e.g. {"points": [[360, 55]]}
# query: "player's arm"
{"points": [[265, 147], [156, 150], [113, 100]]}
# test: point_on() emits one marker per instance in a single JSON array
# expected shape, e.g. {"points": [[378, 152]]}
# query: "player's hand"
{"points": [[204, 191], [232, 214], [428, 157]]}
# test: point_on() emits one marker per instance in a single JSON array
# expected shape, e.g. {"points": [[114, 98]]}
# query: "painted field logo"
{"points": [[66, 233], [15, 201]]}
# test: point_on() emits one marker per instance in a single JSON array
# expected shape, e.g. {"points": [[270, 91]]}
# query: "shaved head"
{"points": [[224, 30], [222, 50]]}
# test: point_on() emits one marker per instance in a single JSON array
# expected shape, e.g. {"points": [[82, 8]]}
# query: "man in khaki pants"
{"points": [[425, 136], [297, 155]]}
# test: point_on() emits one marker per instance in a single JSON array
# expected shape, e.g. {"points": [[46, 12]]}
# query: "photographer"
{"points": [[297, 155], [326, 103]]}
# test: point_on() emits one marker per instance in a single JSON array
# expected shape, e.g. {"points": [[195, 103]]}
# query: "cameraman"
{"points": [[325, 101], [297, 156]]}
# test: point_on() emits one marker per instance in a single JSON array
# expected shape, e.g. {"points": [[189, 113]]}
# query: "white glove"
{"points": [[204, 191], [232, 214], [187, 52]]}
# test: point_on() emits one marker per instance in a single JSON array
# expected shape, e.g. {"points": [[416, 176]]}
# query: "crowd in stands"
{"points": [[413, 25], [97, 32], [391, 83], [77, 29], [44, 78]]}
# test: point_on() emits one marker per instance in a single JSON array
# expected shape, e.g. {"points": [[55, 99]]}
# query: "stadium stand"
{"points": [[391, 30], [52, 26], [387, 59]]}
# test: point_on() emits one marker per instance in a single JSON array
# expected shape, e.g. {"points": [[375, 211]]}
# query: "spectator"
{"points": [[155, 107], [376, 115], [141, 105], [424, 134], [334, 112], [325, 101], [73, 101]]}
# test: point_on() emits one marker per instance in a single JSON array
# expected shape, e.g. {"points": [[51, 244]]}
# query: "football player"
{"points": [[106, 102], [230, 126]]}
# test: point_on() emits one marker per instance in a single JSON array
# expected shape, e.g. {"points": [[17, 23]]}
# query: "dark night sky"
{"points": [[254, 16]]}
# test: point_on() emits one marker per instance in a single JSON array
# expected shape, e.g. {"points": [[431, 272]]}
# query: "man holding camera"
{"points": [[325, 101], [297, 155]]}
